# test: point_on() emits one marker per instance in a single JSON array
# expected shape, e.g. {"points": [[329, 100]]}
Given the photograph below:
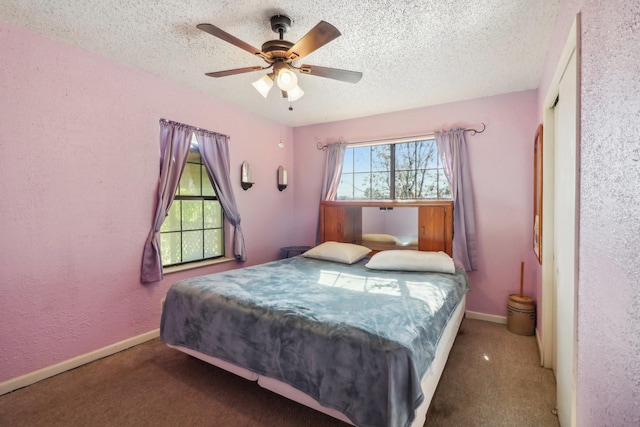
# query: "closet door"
{"points": [[566, 223], [435, 228]]}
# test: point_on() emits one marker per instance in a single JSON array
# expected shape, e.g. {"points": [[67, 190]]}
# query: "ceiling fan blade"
{"points": [[319, 35], [235, 71], [217, 32], [332, 73]]}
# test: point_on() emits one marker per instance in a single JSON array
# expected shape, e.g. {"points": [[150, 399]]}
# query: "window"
{"points": [[401, 171], [194, 228]]}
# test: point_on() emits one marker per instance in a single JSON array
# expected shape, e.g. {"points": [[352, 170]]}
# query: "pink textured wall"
{"points": [[79, 166], [609, 295], [608, 371], [501, 169]]}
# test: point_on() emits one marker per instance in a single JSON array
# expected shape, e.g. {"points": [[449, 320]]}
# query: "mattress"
{"points": [[356, 341]]}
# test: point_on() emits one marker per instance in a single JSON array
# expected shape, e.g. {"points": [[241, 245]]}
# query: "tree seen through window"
{"points": [[403, 171]]}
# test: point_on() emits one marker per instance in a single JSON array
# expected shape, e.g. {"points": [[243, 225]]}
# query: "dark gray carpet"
{"points": [[493, 378]]}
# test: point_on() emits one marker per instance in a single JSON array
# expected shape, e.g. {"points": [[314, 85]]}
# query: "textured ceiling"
{"points": [[412, 53]]}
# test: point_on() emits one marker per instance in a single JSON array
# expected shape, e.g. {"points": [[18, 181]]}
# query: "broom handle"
{"points": [[521, 277]]}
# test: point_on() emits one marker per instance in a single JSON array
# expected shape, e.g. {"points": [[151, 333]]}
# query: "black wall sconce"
{"points": [[246, 180], [282, 178]]}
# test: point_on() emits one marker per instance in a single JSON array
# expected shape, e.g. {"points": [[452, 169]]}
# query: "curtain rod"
{"points": [[193, 128], [431, 135]]}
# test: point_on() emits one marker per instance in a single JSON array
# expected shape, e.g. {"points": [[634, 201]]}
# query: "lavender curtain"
{"points": [[333, 170], [214, 149], [452, 148], [175, 139]]}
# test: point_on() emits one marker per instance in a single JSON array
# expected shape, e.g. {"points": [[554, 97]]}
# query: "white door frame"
{"points": [[548, 241], [548, 319]]}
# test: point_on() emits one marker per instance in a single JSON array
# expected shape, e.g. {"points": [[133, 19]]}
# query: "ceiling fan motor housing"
{"points": [[280, 24], [277, 48]]}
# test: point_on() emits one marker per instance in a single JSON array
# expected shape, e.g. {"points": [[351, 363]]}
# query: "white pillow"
{"points": [[387, 239], [346, 253], [412, 242], [410, 260]]}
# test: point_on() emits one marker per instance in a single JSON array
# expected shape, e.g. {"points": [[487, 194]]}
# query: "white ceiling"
{"points": [[412, 53]]}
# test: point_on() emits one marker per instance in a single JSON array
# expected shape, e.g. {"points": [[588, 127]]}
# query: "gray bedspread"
{"points": [[356, 340]]}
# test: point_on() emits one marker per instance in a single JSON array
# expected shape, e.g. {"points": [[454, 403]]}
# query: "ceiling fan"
{"points": [[280, 56]]}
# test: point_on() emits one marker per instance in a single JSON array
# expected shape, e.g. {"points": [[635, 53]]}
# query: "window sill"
{"points": [[199, 264]]}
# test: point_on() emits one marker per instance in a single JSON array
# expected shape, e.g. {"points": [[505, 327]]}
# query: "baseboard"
{"points": [[487, 317], [49, 371]]}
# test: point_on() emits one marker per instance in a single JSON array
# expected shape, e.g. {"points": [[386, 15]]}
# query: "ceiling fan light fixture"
{"points": [[264, 84], [287, 79], [295, 93]]}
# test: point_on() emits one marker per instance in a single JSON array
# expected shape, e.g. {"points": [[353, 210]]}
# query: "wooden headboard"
{"points": [[341, 221]]}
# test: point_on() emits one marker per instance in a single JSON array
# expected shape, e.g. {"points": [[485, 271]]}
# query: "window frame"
{"points": [[204, 260], [443, 187]]}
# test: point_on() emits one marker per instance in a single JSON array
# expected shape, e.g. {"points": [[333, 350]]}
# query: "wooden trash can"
{"points": [[521, 317]]}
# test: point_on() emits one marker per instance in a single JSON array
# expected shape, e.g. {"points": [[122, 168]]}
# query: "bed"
{"points": [[366, 346]]}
